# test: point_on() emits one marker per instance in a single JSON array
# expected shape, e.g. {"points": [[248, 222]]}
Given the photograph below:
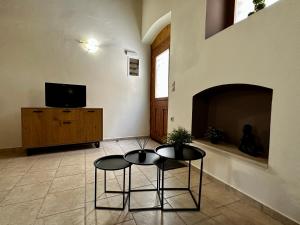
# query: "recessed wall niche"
{"points": [[219, 16], [229, 108]]}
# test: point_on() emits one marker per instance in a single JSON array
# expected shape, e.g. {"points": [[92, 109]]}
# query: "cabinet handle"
{"points": [[91, 111], [37, 111], [67, 122], [66, 111]]}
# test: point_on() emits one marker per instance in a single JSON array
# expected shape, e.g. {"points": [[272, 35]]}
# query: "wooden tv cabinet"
{"points": [[45, 127]]}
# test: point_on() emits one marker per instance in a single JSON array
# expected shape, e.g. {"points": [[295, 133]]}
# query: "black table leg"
{"points": [[129, 188], [162, 185], [197, 203], [95, 187], [189, 181], [200, 184], [105, 181], [124, 200]]}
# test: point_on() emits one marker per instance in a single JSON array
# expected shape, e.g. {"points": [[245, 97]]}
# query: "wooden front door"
{"points": [[160, 52]]}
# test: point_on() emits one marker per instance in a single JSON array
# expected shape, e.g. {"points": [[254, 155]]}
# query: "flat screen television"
{"points": [[65, 95]]}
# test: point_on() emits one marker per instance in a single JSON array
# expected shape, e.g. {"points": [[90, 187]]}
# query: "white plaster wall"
{"points": [[263, 50], [152, 11], [38, 43]]}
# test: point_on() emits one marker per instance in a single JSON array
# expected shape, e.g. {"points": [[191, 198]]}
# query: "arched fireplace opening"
{"points": [[227, 109]]}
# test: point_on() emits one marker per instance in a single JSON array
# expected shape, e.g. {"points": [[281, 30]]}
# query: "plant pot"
{"points": [[178, 147], [142, 155], [214, 140]]}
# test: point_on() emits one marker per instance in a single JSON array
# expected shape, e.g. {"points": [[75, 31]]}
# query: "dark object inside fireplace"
{"points": [[248, 144]]}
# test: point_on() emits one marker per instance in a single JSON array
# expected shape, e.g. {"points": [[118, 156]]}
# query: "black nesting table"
{"points": [[111, 163], [188, 153], [151, 158]]}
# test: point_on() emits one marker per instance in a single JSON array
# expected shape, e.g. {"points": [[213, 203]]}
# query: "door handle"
{"points": [[67, 122], [66, 111], [91, 111], [37, 111]]}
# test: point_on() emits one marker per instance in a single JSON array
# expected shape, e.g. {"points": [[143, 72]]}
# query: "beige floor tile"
{"points": [[105, 217], [184, 177], [2, 195], [157, 217], [211, 222], [191, 218], [150, 172], [7, 183], [90, 175], [144, 199], [112, 185], [4, 162], [245, 213], [67, 183], [209, 207], [130, 222], [137, 180], [219, 194], [37, 177], [73, 160], [181, 201], [26, 193], [24, 161], [91, 156], [69, 170], [14, 171], [62, 201], [75, 217], [20, 214], [179, 170], [173, 182], [46, 164], [76, 152]]}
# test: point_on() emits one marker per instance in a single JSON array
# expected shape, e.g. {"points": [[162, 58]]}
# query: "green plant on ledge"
{"points": [[179, 136], [214, 135], [258, 5]]}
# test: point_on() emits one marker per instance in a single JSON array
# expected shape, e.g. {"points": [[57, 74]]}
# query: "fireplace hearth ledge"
{"points": [[230, 151]]}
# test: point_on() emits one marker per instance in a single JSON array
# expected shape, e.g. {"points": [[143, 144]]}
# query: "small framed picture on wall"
{"points": [[133, 66]]}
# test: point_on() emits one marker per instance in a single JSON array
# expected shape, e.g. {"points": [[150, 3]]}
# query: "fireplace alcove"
{"points": [[228, 108]]}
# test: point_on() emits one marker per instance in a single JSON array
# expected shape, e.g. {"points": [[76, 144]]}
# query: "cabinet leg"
{"points": [[97, 144], [28, 152]]}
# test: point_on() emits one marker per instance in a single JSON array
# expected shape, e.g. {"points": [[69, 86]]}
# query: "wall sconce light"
{"points": [[91, 45]]}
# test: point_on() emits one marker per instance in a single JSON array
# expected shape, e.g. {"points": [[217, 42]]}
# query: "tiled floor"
{"points": [[58, 189]]}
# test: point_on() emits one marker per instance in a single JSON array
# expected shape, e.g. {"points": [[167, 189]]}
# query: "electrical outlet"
{"points": [[173, 86]]}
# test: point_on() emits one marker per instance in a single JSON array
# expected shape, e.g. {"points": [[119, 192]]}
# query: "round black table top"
{"points": [[133, 157], [111, 162], [188, 152]]}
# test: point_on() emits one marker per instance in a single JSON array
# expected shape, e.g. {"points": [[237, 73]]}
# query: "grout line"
{"points": [[54, 214], [59, 213], [15, 203], [48, 190]]}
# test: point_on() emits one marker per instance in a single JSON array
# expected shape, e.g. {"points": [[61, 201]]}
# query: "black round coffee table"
{"points": [[186, 153], [111, 163], [150, 159]]}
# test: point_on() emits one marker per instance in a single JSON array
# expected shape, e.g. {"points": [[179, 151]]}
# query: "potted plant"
{"points": [[214, 135], [178, 137], [258, 5]]}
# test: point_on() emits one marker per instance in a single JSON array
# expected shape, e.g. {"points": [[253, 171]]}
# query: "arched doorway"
{"points": [[160, 52]]}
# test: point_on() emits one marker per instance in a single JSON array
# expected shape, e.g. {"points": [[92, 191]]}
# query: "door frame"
{"points": [[160, 44]]}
